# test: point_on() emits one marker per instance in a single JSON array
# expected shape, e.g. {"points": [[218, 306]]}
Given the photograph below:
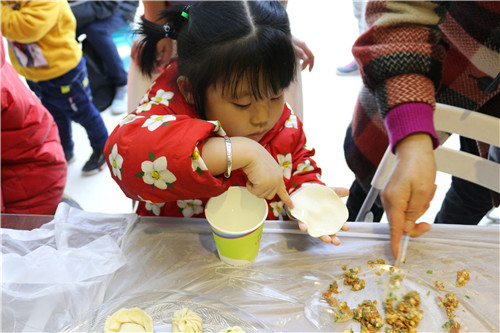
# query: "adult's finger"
{"points": [[396, 219]]}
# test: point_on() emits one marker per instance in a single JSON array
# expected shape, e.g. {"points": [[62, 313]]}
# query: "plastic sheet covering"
{"points": [[51, 274], [282, 288]]}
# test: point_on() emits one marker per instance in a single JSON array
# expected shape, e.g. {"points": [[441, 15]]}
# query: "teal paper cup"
{"points": [[237, 219]]}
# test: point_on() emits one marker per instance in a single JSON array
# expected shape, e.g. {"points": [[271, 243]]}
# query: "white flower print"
{"points": [[217, 128], [116, 161], [154, 207], [304, 167], [155, 121], [190, 207], [129, 118], [155, 173], [277, 209], [197, 162], [285, 161], [292, 122], [161, 97]]}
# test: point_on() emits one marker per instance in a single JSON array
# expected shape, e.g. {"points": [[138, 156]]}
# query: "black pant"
{"points": [[464, 203]]}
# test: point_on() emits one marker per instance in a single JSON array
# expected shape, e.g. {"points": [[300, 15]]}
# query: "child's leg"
{"points": [[80, 107], [50, 98], [99, 36]]}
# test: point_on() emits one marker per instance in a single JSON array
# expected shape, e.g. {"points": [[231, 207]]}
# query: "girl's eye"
{"points": [[276, 98], [242, 106]]}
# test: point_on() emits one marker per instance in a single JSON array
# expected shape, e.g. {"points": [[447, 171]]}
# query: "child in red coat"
{"points": [[33, 164], [216, 117]]}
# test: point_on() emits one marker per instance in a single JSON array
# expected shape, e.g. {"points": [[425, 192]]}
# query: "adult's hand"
{"points": [[303, 52], [411, 187], [166, 50]]}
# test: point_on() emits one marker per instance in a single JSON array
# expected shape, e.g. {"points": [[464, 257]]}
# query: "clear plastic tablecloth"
{"points": [[127, 255]]}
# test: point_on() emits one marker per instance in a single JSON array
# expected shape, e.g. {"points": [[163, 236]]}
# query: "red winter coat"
{"points": [[33, 164], [154, 154]]}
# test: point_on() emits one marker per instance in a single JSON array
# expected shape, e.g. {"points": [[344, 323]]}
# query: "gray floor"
{"points": [[329, 28]]}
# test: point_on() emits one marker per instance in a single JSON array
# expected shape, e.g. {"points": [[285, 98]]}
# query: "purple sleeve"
{"points": [[409, 118]]}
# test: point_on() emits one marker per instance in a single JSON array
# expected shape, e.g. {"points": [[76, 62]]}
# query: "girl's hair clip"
{"points": [[185, 12], [167, 29]]}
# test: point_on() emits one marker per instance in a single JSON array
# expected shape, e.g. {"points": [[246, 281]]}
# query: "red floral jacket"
{"points": [[154, 154]]}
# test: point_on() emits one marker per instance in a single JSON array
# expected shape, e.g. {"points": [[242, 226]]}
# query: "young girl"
{"points": [[216, 117]]}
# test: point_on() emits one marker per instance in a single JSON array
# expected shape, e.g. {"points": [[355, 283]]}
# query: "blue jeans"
{"points": [[68, 98], [99, 37]]}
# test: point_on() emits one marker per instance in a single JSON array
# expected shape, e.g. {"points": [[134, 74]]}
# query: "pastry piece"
{"points": [[186, 320], [129, 320]]}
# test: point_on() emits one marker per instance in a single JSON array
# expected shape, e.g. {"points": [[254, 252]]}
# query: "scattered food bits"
{"points": [[378, 273], [376, 262], [406, 316], [429, 271], [462, 278], [450, 304], [369, 317], [439, 284], [341, 309], [352, 279]]}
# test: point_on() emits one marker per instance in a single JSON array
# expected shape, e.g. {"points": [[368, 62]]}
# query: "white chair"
{"points": [[448, 120]]}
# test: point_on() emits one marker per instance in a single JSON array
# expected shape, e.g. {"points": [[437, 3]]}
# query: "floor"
{"points": [[328, 105]]}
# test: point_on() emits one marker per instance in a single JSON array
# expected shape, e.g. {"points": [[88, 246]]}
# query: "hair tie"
{"points": [[185, 12], [167, 29]]}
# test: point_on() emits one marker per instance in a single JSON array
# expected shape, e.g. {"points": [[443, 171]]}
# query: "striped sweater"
{"points": [[414, 54]]}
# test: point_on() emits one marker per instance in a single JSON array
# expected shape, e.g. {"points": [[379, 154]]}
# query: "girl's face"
{"points": [[243, 115]]}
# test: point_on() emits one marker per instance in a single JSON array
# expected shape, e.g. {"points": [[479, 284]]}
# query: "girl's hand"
{"points": [[265, 176], [341, 192]]}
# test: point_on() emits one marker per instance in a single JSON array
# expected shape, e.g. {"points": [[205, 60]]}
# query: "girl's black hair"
{"points": [[224, 42]]}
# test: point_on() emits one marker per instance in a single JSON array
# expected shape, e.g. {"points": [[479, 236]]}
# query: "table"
{"points": [[282, 287]]}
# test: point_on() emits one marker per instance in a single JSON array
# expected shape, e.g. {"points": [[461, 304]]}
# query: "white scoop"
{"points": [[320, 209]]}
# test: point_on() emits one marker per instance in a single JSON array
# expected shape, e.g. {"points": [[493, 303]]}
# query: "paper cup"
{"points": [[237, 219]]}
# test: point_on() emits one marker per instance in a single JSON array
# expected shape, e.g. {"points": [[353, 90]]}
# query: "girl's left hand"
{"points": [[341, 192]]}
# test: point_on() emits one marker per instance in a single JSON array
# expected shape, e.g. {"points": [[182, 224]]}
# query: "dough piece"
{"points": [[186, 320], [234, 329], [129, 320], [320, 208]]}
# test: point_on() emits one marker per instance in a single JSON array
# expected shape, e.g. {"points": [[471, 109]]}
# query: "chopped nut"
{"points": [[462, 278]]}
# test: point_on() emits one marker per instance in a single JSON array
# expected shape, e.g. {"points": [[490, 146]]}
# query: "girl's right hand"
{"points": [[265, 176]]}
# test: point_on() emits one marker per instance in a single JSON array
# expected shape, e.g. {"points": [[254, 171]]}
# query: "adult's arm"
{"points": [[400, 59]]}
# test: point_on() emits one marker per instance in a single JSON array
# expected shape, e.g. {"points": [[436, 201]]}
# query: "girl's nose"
{"points": [[260, 115]]}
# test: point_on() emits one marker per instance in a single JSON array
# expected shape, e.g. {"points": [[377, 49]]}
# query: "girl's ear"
{"points": [[185, 88]]}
